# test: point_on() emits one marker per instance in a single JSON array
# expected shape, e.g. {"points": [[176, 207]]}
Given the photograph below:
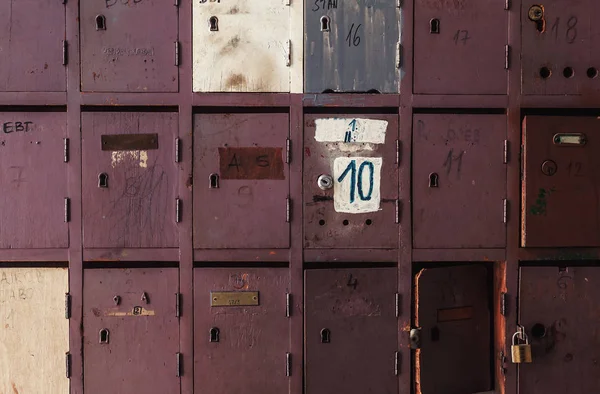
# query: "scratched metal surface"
{"points": [[560, 184], [250, 356], [467, 154], [358, 53], [138, 208], [32, 162], [453, 309], [323, 226], [357, 307], [467, 56], [136, 50], [140, 356], [559, 310], [565, 37], [31, 36], [240, 213]]}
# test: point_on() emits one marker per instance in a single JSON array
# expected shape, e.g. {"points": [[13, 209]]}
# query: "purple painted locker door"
{"points": [[130, 180], [350, 331], [241, 181], [31, 46], [131, 331], [460, 47], [33, 180], [241, 332], [559, 310], [453, 312], [350, 181], [129, 46], [459, 181]]}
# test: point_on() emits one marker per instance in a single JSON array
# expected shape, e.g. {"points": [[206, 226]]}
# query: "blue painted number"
{"points": [[353, 181]]}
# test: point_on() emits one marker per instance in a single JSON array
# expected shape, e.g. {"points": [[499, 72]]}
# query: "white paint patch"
{"points": [[349, 148], [357, 184], [350, 130], [136, 155]]}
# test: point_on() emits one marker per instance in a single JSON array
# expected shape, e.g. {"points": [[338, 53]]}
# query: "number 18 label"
{"points": [[357, 184]]}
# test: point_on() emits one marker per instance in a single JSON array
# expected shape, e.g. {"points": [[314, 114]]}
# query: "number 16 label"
{"points": [[357, 184]]}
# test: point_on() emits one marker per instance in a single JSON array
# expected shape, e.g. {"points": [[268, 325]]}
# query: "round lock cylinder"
{"points": [[535, 13], [325, 182]]}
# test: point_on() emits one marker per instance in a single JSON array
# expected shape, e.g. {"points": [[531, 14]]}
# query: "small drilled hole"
{"points": [[538, 330], [568, 72], [321, 222], [368, 222], [592, 72], [345, 222], [545, 72]]}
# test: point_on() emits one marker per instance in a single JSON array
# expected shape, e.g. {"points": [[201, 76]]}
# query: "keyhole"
{"points": [[434, 26], [325, 335], [117, 300], [433, 179], [104, 336], [213, 181], [100, 22], [103, 180], [214, 334], [324, 23], [213, 23]]}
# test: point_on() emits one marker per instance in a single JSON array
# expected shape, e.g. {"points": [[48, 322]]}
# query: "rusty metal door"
{"points": [[131, 330], [31, 46], [242, 46], [352, 46], [459, 181], [460, 47], [560, 203], [453, 311], [129, 46], [130, 180], [32, 146], [35, 334], [350, 331], [241, 173], [558, 46], [559, 310], [241, 331], [351, 181]]}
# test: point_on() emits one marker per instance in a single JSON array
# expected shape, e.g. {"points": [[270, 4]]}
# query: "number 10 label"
{"points": [[357, 184]]}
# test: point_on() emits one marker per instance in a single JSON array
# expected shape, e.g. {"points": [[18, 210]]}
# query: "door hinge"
{"points": [[506, 57], [67, 210], [503, 299], [65, 54], [398, 153], [288, 209], [397, 219], [177, 47], [415, 338], [177, 150], [288, 150], [177, 210], [505, 151], [399, 3], [522, 161], [179, 364], [66, 150], [397, 304], [176, 3], [67, 306], [287, 2], [504, 210], [399, 55], [288, 364], [397, 363], [68, 365], [288, 57], [177, 304], [64, 1], [288, 304], [506, 4]]}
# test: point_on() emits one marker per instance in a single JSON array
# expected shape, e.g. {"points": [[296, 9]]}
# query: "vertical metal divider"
{"points": [[405, 359], [74, 189], [186, 251]]}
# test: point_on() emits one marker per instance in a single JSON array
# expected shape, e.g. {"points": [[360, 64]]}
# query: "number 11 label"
{"points": [[357, 184]]}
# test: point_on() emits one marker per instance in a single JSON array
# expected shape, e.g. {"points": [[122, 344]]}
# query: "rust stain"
{"points": [[235, 80], [96, 312], [45, 66], [230, 46], [234, 10], [14, 387], [272, 253]]}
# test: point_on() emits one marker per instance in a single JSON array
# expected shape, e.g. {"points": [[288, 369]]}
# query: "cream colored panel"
{"points": [[34, 334], [297, 35], [250, 51]]}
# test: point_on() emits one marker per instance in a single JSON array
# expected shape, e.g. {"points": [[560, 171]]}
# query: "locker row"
{"points": [[242, 319], [239, 191], [458, 47]]}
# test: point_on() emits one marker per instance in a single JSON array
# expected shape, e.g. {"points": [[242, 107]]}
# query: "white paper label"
{"points": [[350, 130], [357, 184]]}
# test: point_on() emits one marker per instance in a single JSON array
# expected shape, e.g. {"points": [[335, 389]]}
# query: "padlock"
{"points": [[521, 352]]}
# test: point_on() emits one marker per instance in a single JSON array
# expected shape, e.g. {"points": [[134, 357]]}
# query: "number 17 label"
{"points": [[357, 184]]}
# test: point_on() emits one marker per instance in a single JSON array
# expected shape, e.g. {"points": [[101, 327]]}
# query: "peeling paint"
{"points": [[120, 156], [350, 130]]}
